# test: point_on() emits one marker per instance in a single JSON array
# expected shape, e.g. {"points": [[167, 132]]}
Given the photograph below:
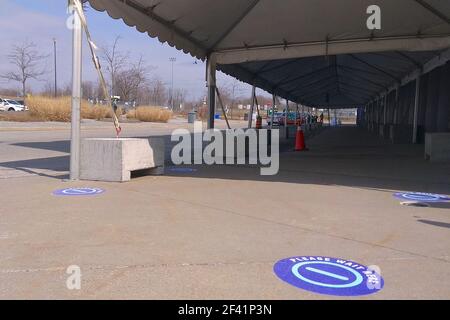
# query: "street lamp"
{"points": [[172, 60], [54, 56]]}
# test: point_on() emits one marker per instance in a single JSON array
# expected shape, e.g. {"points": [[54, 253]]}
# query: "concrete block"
{"points": [[437, 147], [112, 159]]}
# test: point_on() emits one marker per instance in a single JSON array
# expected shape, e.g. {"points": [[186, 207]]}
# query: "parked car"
{"points": [[276, 118], [294, 119], [11, 105]]}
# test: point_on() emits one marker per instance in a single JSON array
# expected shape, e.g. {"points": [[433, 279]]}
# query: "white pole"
{"points": [[76, 98]]}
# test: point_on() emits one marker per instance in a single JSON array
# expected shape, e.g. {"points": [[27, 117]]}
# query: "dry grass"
{"points": [[59, 109], [16, 116], [56, 109], [150, 114]]}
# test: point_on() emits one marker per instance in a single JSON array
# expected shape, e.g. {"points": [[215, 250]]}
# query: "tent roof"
{"points": [[346, 80], [245, 36]]}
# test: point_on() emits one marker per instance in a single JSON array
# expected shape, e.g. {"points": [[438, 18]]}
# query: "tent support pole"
{"points": [[397, 91], [77, 39], [223, 108], [273, 112], [211, 82], [416, 110], [250, 115], [286, 115]]}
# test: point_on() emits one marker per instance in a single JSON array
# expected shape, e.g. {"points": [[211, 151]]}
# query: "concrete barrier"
{"points": [[437, 147], [113, 159]]}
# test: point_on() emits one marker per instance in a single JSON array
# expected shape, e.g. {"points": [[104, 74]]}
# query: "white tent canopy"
{"points": [[278, 45], [249, 30]]}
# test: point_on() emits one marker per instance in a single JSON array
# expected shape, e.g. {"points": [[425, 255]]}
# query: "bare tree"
{"points": [[154, 93], [10, 92], [115, 61], [48, 90], [66, 90], [160, 93], [130, 80], [179, 98], [88, 89], [27, 62], [230, 94]]}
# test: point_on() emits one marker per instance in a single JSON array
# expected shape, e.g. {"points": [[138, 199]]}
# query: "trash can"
{"points": [[217, 116], [192, 116], [245, 116]]}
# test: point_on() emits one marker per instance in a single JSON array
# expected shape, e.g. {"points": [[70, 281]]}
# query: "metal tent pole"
{"points": [[397, 92], [416, 110], [250, 116], [223, 107], [273, 111], [211, 79], [286, 132], [77, 39]]}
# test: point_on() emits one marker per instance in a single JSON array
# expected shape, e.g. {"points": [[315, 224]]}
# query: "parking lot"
{"points": [[217, 231]]}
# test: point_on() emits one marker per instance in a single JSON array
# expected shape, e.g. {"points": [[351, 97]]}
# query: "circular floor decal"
{"points": [[420, 196], [182, 170], [331, 276], [78, 192]]}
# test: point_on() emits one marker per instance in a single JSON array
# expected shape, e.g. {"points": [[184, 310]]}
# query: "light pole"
{"points": [[171, 94], [54, 55]]}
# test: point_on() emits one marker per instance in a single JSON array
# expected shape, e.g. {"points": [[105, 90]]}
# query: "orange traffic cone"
{"points": [[300, 140], [258, 122]]}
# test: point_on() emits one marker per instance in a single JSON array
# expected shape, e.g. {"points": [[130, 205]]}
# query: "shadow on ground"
{"points": [[345, 156], [436, 223], [41, 166]]}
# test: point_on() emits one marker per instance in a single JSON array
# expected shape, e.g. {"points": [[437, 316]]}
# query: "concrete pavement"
{"points": [[217, 232]]}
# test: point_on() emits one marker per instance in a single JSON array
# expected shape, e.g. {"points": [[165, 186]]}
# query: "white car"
{"points": [[11, 105]]}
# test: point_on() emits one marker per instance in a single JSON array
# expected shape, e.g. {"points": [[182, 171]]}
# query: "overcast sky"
{"points": [[40, 21]]}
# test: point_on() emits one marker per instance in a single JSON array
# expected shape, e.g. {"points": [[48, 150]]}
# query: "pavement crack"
{"points": [[135, 266]]}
